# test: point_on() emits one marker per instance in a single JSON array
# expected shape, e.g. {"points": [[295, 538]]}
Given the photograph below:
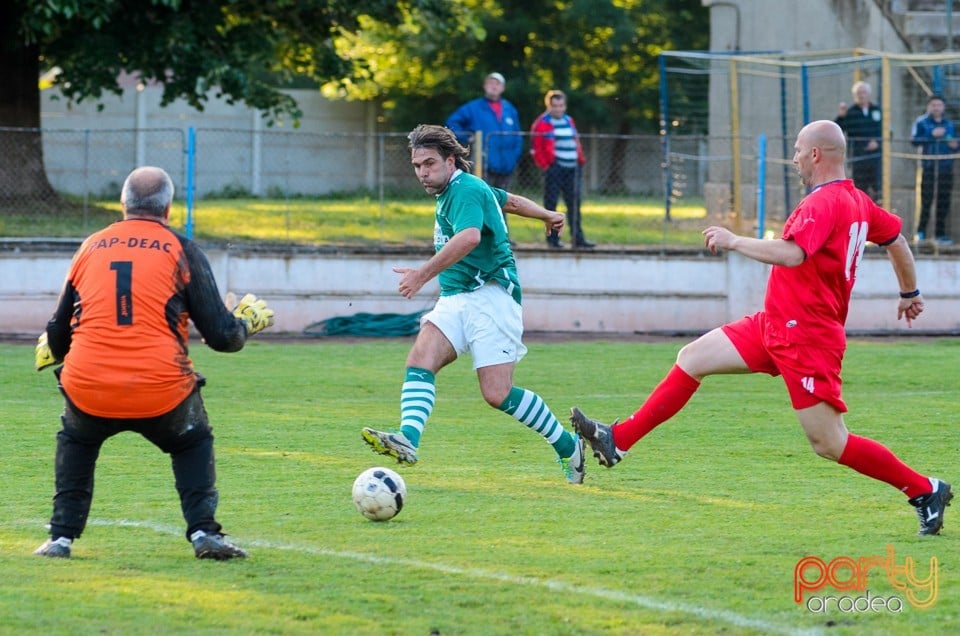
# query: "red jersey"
{"points": [[808, 303], [121, 323]]}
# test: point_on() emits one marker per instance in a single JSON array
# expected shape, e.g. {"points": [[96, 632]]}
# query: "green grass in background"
{"points": [[364, 221], [698, 531]]}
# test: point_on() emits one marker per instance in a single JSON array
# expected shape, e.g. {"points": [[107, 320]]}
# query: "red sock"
{"points": [[873, 459], [669, 397]]}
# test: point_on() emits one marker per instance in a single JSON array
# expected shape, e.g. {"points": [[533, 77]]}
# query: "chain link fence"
{"points": [[734, 100], [86, 168], [48, 172], [92, 164]]}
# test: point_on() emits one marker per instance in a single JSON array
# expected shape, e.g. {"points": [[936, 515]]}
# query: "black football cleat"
{"points": [[599, 436], [932, 506]]}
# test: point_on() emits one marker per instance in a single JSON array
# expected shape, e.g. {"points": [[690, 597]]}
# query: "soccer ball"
{"points": [[379, 493]]}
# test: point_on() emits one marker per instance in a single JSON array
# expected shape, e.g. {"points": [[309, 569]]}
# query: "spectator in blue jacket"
{"points": [[936, 136], [498, 120]]}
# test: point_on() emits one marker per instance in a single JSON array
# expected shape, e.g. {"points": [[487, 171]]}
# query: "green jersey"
{"points": [[467, 202]]}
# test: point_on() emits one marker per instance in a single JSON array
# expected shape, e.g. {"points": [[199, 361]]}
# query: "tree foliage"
{"points": [[603, 53], [416, 56], [241, 50], [238, 50]]}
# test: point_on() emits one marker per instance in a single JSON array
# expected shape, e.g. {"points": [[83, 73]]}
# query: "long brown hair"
{"points": [[443, 141]]}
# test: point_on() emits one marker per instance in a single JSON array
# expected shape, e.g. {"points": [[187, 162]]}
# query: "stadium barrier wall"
{"points": [[609, 292]]}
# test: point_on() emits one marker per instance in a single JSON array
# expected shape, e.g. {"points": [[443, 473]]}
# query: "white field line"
{"points": [[646, 602]]}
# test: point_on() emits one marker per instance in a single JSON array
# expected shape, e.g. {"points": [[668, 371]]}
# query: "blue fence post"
{"points": [[785, 143], [191, 156], [665, 138], [805, 90], [86, 175], [761, 184], [938, 80]]}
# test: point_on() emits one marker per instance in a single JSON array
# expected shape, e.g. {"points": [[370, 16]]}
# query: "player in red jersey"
{"points": [[800, 332], [120, 328]]}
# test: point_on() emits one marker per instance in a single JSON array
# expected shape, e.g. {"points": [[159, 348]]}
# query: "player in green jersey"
{"points": [[479, 307]]}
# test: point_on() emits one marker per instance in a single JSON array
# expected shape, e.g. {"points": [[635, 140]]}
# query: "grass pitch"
{"points": [[698, 531]]}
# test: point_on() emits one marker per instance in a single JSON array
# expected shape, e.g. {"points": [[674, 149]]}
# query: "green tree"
{"points": [[603, 53], [241, 50]]}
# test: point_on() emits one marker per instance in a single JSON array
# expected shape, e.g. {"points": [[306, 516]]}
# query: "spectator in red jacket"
{"points": [[557, 151]]}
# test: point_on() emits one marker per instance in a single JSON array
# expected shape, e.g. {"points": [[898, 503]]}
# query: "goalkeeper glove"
{"points": [[43, 357], [254, 313]]}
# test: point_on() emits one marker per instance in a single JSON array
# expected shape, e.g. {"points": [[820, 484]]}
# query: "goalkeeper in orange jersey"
{"points": [[120, 329]]}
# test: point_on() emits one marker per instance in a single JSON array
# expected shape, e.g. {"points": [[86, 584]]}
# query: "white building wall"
{"points": [[800, 25], [90, 150]]}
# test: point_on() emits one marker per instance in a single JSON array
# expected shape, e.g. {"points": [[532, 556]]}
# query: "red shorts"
{"points": [[812, 374]]}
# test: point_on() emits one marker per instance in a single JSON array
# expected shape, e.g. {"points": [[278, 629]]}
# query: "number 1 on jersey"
{"points": [[124, 270]]}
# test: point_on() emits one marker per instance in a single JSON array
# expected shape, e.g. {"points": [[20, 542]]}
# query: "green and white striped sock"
{"points": [[417, 395], [530, 409]]}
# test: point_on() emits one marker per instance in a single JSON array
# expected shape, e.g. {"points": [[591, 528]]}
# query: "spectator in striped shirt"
{"points": [[556, 150]]}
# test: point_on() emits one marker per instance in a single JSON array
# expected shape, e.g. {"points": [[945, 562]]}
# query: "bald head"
{"points": [[147, 191], [819, 152], [828, 137]]}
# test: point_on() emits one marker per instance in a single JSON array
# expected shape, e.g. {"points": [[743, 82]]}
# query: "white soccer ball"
{"points": [[379, 493]]}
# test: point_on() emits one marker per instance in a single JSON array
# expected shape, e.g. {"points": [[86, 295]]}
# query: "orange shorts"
{"points": [[812, 374]]}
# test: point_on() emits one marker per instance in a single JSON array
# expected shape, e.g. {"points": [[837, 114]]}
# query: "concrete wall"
{"points": [[809, 25], [337, 147], [139, 107], [88, 150], [589, 293]]}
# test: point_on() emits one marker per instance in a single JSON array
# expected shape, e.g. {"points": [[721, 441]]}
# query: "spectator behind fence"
{"points": [[556, 149], [120, 328], [861, 122], [936, 136], [499, 122]]}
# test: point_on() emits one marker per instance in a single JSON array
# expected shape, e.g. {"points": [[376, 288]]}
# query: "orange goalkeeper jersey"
{"points": [[121, 325]]}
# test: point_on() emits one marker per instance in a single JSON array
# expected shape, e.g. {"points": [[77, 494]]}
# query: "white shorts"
{"points": [[487, 322]]}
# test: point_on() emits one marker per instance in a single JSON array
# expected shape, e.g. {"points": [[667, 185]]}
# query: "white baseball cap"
{"points": [[496, 76]]}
